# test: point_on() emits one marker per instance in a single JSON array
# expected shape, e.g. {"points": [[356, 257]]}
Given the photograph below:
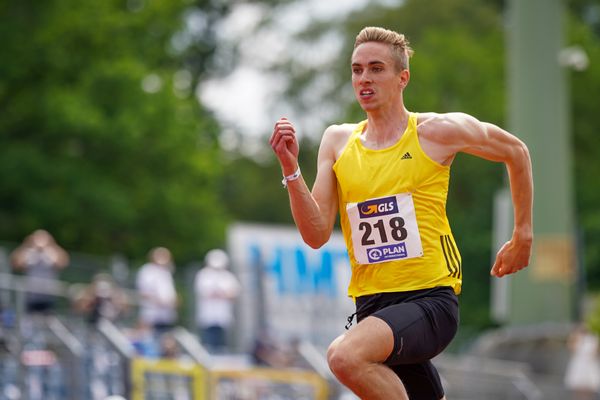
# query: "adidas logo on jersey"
{"points": [[406, 156]]}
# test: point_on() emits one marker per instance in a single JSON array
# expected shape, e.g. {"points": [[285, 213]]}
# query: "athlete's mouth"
{"points": [[367, 92]]}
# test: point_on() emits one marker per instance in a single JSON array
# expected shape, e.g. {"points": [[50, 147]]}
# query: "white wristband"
{"points": [[291, 177]]}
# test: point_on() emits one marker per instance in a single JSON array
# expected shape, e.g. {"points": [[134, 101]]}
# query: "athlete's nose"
{"points": [[365, 77]]}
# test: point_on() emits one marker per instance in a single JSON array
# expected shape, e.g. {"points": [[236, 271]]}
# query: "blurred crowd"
{"points": [[151, 306], [153, 299]]}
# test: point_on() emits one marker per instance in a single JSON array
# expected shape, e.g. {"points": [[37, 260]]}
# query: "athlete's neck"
{"points": [[384, 128]]}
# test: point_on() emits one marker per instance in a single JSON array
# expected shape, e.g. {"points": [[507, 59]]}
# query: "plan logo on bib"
{"points": [[378, 207], [385, 253]]}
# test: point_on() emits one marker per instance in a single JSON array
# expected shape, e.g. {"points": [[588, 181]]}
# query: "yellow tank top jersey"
{"points": [[393, 217]]}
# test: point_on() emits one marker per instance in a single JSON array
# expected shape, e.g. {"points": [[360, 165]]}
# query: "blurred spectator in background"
{"points": [[156, 288], [169, 347], [39, 258], [268, 351], [216, 289], [294, 356], [144, 341], [582, 377], [103, 298]]}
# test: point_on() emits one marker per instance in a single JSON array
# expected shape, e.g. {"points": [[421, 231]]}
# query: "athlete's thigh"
{"points": [[371, 340], [420, 332]]}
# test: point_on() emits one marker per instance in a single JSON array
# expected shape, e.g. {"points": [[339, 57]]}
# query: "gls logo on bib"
{"points": [[378, 207]]}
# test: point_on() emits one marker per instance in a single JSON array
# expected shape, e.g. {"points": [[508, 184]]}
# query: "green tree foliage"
{"points": [[101, 139]]}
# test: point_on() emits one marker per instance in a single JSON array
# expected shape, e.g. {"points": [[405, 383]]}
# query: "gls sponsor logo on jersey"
{"points": [[378, 207]]}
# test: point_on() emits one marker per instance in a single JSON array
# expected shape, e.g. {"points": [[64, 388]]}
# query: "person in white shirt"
{"points": [[158, 297], [216, 289], [582, 376]]}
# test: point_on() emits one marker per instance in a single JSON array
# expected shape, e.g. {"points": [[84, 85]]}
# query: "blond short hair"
{"points": [[399, 45]]}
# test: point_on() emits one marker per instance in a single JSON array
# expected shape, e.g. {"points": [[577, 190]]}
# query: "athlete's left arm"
{"points": [[490, 142]]}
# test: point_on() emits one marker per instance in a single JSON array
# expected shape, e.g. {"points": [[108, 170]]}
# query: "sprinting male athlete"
{"points": [[388, 177]]}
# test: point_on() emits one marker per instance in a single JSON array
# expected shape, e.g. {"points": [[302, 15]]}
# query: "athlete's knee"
{"points": [[342, 365], [342, 362]]}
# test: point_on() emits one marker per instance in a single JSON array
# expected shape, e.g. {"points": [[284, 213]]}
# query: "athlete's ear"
{"points": [[404, 78]]}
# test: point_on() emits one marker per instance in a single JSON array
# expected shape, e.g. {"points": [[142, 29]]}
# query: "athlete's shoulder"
{"points": [[336, 137], [440, 125], [341, 130], [434, 120]]}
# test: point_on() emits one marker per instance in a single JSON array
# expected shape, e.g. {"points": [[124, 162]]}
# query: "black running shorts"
{"points": [[424, 322]]}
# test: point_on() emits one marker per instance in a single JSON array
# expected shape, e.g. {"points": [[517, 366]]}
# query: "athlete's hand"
{"points": [[512, 257], [285, 145]]}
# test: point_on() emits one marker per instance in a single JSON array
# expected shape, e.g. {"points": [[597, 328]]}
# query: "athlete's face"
{"points": [[374, 77]]}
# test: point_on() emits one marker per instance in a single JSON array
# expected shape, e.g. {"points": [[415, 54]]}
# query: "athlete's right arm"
{"points": [[314, 212]]}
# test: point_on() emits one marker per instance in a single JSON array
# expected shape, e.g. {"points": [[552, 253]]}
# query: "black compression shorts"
{"points": [[424, 322]]}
